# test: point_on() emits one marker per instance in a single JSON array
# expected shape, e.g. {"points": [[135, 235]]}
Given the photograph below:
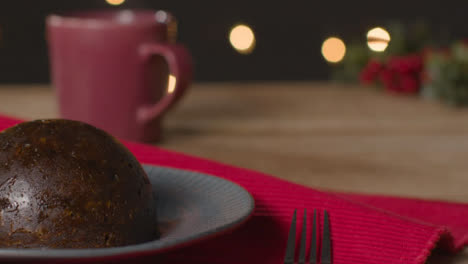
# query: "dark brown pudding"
{"points": [[66, 184]]}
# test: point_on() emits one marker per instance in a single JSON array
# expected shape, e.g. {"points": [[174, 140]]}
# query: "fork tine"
{"points": [[326, 240], [302, 249], [313, 242], [291, 245]]}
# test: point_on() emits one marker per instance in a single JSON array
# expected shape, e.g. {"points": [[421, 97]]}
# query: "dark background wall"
{"points": [[289, 33]]}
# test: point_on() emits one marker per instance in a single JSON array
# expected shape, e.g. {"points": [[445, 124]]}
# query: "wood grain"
{"points": [[328, 136]]}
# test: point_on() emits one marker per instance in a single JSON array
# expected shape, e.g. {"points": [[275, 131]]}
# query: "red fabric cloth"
{"points": [[365, 229]]}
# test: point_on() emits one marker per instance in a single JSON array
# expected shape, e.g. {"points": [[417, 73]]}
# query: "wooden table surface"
{"points": [[323, 135]]}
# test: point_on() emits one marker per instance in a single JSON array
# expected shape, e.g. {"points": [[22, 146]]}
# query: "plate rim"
{"points": [[142, 249]]}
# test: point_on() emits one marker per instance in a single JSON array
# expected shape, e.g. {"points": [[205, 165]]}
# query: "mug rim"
{"points": [[81, 18]]}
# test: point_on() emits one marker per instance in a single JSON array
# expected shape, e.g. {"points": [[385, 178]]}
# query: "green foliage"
{"points": [[448, 75], [445, 72]]}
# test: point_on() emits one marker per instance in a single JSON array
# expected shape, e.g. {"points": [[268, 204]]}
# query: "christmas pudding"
{"points": [[66, 184]]}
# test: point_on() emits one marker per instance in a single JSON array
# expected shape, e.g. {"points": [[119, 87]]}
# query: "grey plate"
{"points": [[192, 206]]}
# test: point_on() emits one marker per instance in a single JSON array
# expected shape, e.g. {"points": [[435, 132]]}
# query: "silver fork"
{"points": [[326, 241]]}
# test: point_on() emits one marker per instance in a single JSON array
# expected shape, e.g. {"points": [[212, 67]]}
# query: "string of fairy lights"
{"points": [[243, 40]]}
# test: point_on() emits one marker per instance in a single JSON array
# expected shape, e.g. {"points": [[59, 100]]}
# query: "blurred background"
{"points": [[274, 40]]}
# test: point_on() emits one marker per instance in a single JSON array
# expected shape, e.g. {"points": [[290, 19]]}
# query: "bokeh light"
{"points": [[333, 49], [115, 2], [171, 84], [242, 39], [378, 39], [161, 16]]}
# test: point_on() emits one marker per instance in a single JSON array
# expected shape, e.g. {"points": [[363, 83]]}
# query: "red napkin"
{"points": [[365, 229]]}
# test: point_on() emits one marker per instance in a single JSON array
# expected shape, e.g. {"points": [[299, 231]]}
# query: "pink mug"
{"points": [[111, 69]]}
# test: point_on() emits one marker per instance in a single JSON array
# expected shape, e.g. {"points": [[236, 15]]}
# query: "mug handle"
{"points": [[180, 65]]}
